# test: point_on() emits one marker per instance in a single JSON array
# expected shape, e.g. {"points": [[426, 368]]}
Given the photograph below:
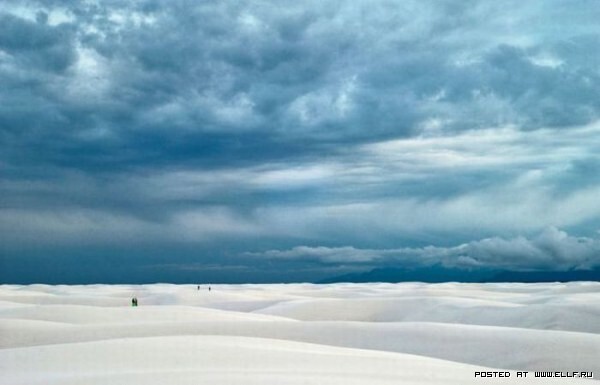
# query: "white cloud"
{"points": [[552, 249], [489, 148], [90, 77], [506, 210]]}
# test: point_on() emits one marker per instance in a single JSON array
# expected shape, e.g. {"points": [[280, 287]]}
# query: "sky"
{"points": [[265, 141]]}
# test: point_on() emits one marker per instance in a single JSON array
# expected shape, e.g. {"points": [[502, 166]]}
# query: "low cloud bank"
{"points": [[552, 249]]}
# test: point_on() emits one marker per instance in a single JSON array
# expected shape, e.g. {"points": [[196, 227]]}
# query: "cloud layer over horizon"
{"points": [[207, 132], [551, 250]]}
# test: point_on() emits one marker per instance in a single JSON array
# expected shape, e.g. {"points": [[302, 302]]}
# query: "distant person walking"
{"points": [[134, 302], [198, 287], [209, 288]]}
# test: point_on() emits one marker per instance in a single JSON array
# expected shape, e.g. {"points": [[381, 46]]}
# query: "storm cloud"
{"points": [[238, 128]]}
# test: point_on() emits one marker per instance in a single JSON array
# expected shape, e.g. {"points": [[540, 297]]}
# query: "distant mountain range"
{"points": [[437, 274]]}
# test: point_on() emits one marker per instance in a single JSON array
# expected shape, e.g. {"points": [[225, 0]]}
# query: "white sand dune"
{"points": [[224, 360], [297, 334]]}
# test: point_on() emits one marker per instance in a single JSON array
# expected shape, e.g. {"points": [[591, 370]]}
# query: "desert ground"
{"points": [[379, 333]]}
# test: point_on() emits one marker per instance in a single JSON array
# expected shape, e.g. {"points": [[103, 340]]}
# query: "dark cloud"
{"points": [[315, 123], [35, 45], [182, 73]]}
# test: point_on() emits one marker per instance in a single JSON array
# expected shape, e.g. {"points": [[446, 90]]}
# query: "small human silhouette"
{"points": [[134, 302], [198, 287], [209, 288]]}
